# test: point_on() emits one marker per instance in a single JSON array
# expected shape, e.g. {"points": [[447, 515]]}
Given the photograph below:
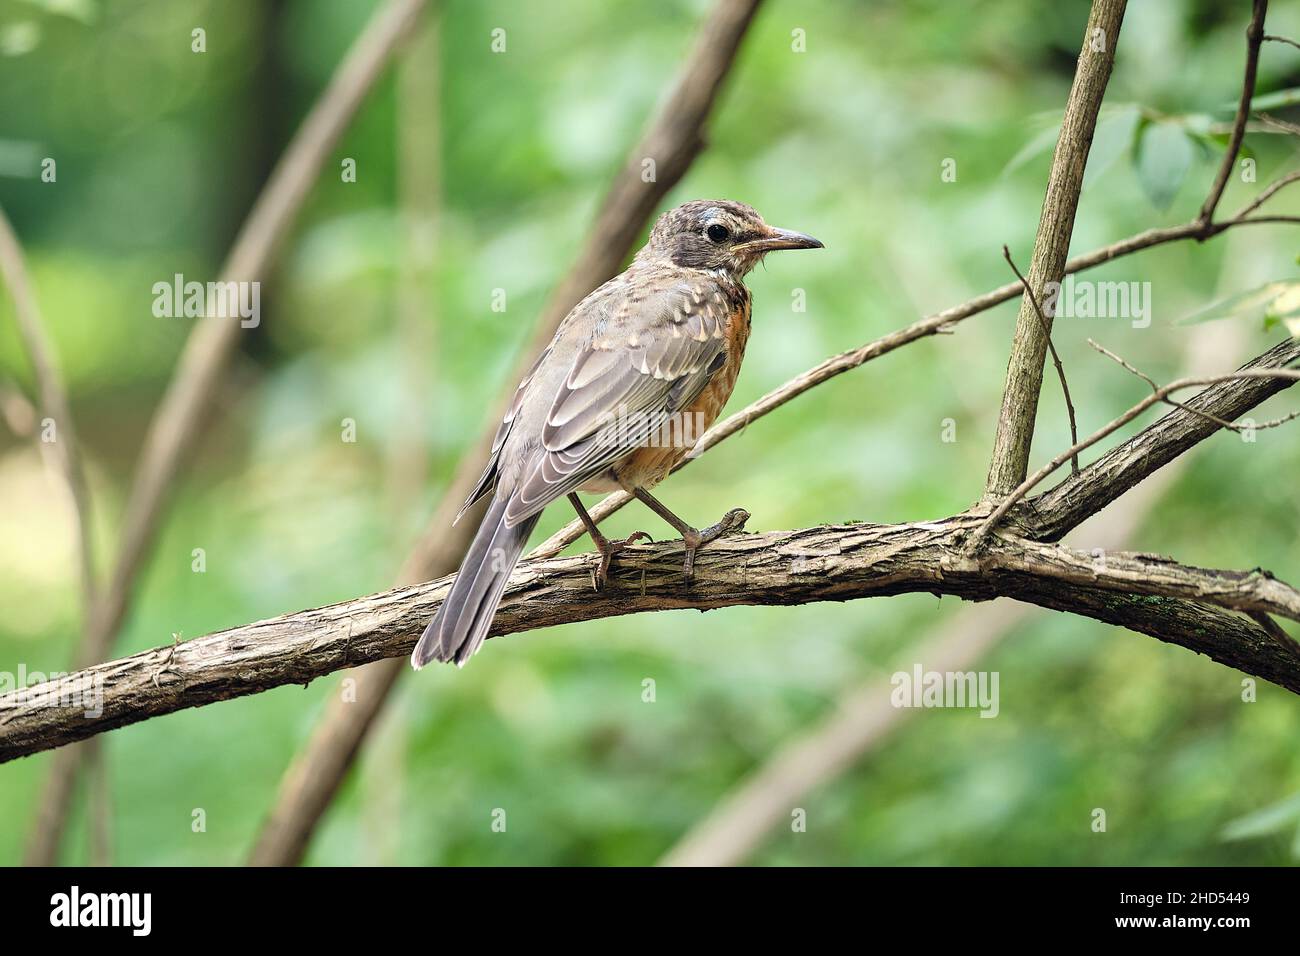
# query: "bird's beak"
{"points": [[779, 239]]}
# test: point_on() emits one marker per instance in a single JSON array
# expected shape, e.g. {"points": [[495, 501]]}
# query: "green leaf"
{"points": [[1221, 140], [1164, 154], [1114, 137], [1042, 142], [17, 39], [1273, 302], [1271, 819], [1276, 100], [83, 10], [1286, 309], [1115, 124]]}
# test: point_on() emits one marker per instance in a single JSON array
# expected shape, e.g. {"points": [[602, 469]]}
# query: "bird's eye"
{"points": [[717, 233]]}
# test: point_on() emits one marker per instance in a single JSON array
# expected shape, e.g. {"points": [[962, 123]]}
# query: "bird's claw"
{"points": [[733, 520], [600, 577]]}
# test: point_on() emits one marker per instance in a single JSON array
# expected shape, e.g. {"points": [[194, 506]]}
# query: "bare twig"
{"points": [[1159, 395], [1281, 125], [672, 140], [177, 423], [53, 402], [1267, 194], [1222, 423], [1254, 37], [1056, 511], [1268, 37], [1056, 359]]}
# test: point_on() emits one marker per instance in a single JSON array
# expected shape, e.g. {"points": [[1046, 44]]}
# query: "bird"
{"points": [[633, 376]]}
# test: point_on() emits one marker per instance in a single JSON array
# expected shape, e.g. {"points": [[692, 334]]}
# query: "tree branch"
{"points": [[1056, 359], [833, 563], [1015, 432], [53, 401], [1254, 37], [1286, 40]]}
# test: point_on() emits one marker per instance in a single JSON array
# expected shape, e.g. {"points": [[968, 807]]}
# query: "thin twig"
{"points": [[1222, 423], [1159, 395], [1281, 125], [53, 402], [1135, 460], [1254, 37], [1268, 193], [1056, 358], [1272, 38]]}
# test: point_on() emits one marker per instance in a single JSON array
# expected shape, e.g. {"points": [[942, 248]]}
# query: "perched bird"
{"points": [[634, 375]]}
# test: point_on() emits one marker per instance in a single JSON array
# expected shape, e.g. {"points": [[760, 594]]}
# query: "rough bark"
{"points": [[1189, 606], [1015, 431]]}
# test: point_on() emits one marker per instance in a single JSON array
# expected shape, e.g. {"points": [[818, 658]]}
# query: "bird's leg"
{"points": [[606, 547], [733, 520]]}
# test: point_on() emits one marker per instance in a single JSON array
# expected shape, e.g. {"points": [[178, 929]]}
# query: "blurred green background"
{"points": [[501, 160]]}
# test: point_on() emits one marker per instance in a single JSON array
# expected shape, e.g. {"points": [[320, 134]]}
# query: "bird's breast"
{"points": [[649, 465]]}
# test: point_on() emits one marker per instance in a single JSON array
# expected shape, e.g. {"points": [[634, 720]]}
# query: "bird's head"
{"points": [[719, 235]]}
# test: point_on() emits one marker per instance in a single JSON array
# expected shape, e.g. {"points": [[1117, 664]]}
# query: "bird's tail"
{"points": [[462, 622]]}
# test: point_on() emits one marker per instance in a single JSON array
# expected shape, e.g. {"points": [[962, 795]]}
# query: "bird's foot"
{"points": [[733, 520], [608, 549]]}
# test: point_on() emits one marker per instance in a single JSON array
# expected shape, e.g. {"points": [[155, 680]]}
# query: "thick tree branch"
{"points": [[1015, 432], [1152, 596], [834, 563], [1056, 358]]}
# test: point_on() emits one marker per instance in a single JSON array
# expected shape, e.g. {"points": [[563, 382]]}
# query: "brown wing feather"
{"points": [[620, 389], [487, 481]]}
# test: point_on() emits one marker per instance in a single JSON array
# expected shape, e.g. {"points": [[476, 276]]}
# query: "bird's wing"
{"points": [[621, 388], [487, 481]]}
